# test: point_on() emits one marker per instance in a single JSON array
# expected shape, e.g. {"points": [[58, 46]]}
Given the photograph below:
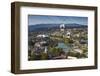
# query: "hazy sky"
{"points": [[44, 19]]}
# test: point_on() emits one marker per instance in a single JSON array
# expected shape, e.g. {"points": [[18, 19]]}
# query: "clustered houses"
{"points": [[67, 40]]}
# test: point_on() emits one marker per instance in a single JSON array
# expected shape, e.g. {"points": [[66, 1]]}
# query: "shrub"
{"points": [[44, 56]]}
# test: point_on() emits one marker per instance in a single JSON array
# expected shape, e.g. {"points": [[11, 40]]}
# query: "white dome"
{"points": [[68, 33], [62, 26]]}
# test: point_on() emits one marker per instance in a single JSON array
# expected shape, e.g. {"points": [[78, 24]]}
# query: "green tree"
{"points": [[44, 56], [54, 51]]}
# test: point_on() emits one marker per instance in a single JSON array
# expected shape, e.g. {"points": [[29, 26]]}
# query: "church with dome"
{"points": [[64, 33], [62, 27]]}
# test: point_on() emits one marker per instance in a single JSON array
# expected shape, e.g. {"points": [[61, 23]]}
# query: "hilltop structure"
{"points": [[62, 27]]}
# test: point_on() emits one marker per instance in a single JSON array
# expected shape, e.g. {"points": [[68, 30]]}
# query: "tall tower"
{"points": [[62, 27]]}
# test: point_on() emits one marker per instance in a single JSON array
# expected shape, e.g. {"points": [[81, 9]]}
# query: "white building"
{"points": [[68, 34], [62, 27], [42, 36]]}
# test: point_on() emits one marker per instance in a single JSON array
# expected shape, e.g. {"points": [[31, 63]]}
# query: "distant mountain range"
{"points": [[46, 27]]}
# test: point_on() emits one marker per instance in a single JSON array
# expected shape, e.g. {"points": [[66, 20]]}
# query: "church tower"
{"points": [[62, 27]]}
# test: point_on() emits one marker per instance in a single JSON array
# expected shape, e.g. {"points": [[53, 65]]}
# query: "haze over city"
{"points": [[45, 19]]}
